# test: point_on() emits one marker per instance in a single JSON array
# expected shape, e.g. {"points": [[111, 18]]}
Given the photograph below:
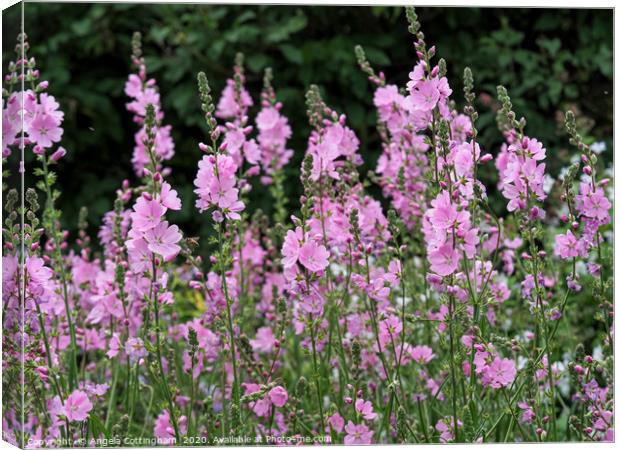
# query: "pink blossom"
{"points": [[593, 203], [336, 422], [357, 434], [445, 427], [77, 406], [140, 256], [227, 107], [389, 328], [422, 354], [425, 95], [291, 246], [164, 429], [365, 409], [278, 396], [134, 347], [147, 214], [444, 260], [265, 340], [500, 373], [169, 198], [313, 257], [45, 130], [527, 415], [163, 240], [114, 346], [567, 246], [37, 272]]}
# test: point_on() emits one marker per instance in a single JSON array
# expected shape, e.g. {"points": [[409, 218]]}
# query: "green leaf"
{"points": [[97, 427], [292, 53]]}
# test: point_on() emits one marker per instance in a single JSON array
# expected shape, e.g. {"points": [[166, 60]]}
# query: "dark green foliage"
{"points": [[549, 60]]}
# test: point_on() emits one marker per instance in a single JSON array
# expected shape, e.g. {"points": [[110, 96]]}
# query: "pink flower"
{"points": [[265, 340], [389, 328], [290, 248], [58, 154], [593, 204], [37, 272], [445, 427], [422, 354], [278, 396], [500, 373], [147, 214], [45, 130], [425, 95], [77, 406], [169, 197], [139, 255], [114, 346], [133, 86], [227, 107], [365, 409], [528, 415], [567, 246], [163, 427], [262, 407], [273, 132], [444, 260], [313, 257], [215, 186], [443, 214], [357, 434], [134, 347], [163, 240], [231, 205], [337, 422]]}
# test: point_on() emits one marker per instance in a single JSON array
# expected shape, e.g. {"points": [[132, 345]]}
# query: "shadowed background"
{"points": [[549, 60]]}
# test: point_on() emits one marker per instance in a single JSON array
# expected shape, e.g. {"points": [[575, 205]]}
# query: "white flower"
{"points": [[548, 183], [598, 147]]}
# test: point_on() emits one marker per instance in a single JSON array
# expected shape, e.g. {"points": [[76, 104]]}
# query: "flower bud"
{"points": [[433, 278], [486, 158], [525, 142], [58, 154]]}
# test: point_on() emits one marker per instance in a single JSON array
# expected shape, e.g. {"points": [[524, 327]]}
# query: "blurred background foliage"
{"points": [[550, 60]]}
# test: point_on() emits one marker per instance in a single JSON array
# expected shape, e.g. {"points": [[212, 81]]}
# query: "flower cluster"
{"points": [[444, 310], [143, 92]]}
